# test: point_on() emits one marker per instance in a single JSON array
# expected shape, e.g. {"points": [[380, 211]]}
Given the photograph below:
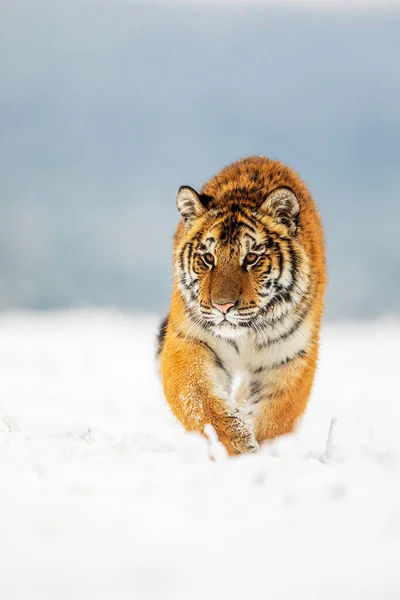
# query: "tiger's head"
{"points": [[238, 261]]}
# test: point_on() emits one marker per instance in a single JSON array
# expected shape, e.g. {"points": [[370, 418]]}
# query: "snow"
{"points": [[103, 495]]}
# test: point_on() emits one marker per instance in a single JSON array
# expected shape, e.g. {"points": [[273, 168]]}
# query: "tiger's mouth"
{"points": [[239, 318], [230, 322]]}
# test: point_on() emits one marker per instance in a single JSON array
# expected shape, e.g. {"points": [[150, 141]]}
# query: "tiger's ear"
{"points": [[189, 204], [283, 206]]}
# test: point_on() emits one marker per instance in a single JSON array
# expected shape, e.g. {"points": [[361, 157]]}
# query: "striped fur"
{"points": [[252, 237]]}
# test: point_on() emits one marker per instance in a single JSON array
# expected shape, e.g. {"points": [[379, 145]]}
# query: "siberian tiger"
{"points": [[239, 347]]}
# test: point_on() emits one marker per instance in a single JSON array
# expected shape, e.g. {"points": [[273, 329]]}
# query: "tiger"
{"points": [[239, 347]]}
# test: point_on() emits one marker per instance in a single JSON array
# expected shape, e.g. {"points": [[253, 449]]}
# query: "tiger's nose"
{"points": [[223, 308]]}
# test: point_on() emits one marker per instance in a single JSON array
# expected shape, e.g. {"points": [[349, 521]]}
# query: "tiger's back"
{"points": [[241, 342]]}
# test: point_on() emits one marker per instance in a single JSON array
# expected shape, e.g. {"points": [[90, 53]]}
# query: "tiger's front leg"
{"points": [[191, 375]]}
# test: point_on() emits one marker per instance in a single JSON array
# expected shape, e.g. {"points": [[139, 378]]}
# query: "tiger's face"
{"points": [[240, 267]]}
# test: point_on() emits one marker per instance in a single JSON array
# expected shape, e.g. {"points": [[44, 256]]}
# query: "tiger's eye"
{"points": [[252, 258], [209, 259]]}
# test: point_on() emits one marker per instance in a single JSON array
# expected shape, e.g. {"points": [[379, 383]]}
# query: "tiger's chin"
{"points": [[228, 330]]}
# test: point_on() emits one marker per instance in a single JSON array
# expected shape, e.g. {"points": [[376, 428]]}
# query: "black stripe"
{"points": [[265, 287], [299, 354], [191, 284], [255, 388], [184, 261], [294, 264], [162, 331], [296, 325], [230, 223], [256, 392], [189, 256], [280, 259], [253, 220], [269, 242], [183, 274], [217, 360], [233, 344], [244, 224], [247, 235], [181, 260]]}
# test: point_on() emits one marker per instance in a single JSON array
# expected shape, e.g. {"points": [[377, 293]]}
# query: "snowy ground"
{"points": [[102, 495]]}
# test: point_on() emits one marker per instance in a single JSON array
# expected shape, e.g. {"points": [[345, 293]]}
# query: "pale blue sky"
{"points": [[107, 108]]}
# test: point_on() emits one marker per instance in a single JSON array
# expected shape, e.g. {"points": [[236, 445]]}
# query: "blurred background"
{"points": [[106, 108]]}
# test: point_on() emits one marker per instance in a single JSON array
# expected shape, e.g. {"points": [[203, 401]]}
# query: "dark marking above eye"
{"points": [[247, 235]]}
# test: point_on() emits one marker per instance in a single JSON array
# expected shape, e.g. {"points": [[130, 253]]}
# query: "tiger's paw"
{"points": [[246, 444], [239, 436]]}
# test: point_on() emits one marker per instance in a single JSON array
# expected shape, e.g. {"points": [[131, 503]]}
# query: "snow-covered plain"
{"points": [[102, 495]]}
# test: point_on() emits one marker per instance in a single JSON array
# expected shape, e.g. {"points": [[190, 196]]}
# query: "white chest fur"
{"points": [[252, 364]]}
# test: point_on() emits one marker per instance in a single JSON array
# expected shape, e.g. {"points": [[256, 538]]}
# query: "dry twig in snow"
{"points": [[329, 441], [6, 424]]}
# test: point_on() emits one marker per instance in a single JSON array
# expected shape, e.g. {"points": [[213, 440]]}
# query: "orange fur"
{"points": [[245, 209]]}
